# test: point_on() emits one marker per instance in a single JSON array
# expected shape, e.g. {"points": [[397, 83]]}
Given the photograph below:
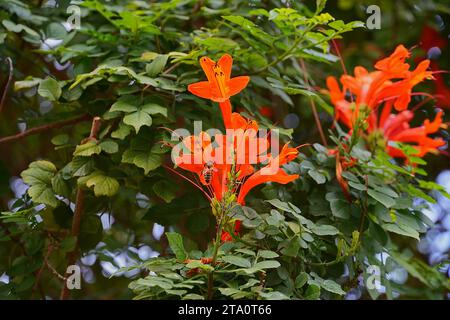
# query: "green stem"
{"points": [[217, 244], [294, 46], [282, 57]]}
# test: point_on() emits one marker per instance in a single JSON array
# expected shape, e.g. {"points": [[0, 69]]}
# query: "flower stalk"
{"points": [[221, 211]]}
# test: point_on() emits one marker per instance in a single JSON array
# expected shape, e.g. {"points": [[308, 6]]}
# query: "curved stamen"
{"points": [[189, 180], [421, 103]]}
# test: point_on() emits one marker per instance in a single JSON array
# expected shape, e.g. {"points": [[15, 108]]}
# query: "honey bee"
{"points": [[208, 171]]}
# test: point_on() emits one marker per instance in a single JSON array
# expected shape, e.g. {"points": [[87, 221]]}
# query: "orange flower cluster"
{"points": [[389, 87], [214, 159], [219, 88]]}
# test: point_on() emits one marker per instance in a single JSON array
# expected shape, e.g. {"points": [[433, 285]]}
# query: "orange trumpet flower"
{"points": [[396, 128], [372, 90], [197, 156], [220, 86], [200, 153], [270, 173], [228, 166], [232, 153]]}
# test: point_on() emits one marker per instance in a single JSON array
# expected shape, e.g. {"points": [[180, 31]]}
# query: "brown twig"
{"points": [[43, 128], [171, 68], [54, 271], [8, 83], [78, 213], [95, 128], [41, 269], [338, 52], [313, 106]]}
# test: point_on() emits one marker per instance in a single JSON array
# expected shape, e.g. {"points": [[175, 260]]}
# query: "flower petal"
{"points": [[237, 84], [201, 89], [207, 65], [226, 63], [256, 179]]}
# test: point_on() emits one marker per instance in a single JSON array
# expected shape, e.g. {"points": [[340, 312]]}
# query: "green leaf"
{"points": [[125, 104], [39, 177], [142, 159], [55, 30], [122, 132], [324, 230], [301, 280], [103, 185], [357, 186], [292, 247], [237, 261], [157, 65], [138, 119], [295, 227], [267, 254], [50, 89], [317, 176], [267, 264], [387, 191], [148, 56], [387, 201], [60, 186], [416, 192], [340, 209], [402, 230], [193, 296], [320, 5], [11, 26], [285, 206], [60, 140], [307, 237], [312, 293], [153, 108], [109, 146], [430, 185], [39, 172], [68, 244], [273, 295], [87, 149], [176, 244], [165, 190], [225, 44], [246, 251], [250, 27], [428, 275], [198, 264], [41, 193], [229, 291], [332, 286], [81, 166]]}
